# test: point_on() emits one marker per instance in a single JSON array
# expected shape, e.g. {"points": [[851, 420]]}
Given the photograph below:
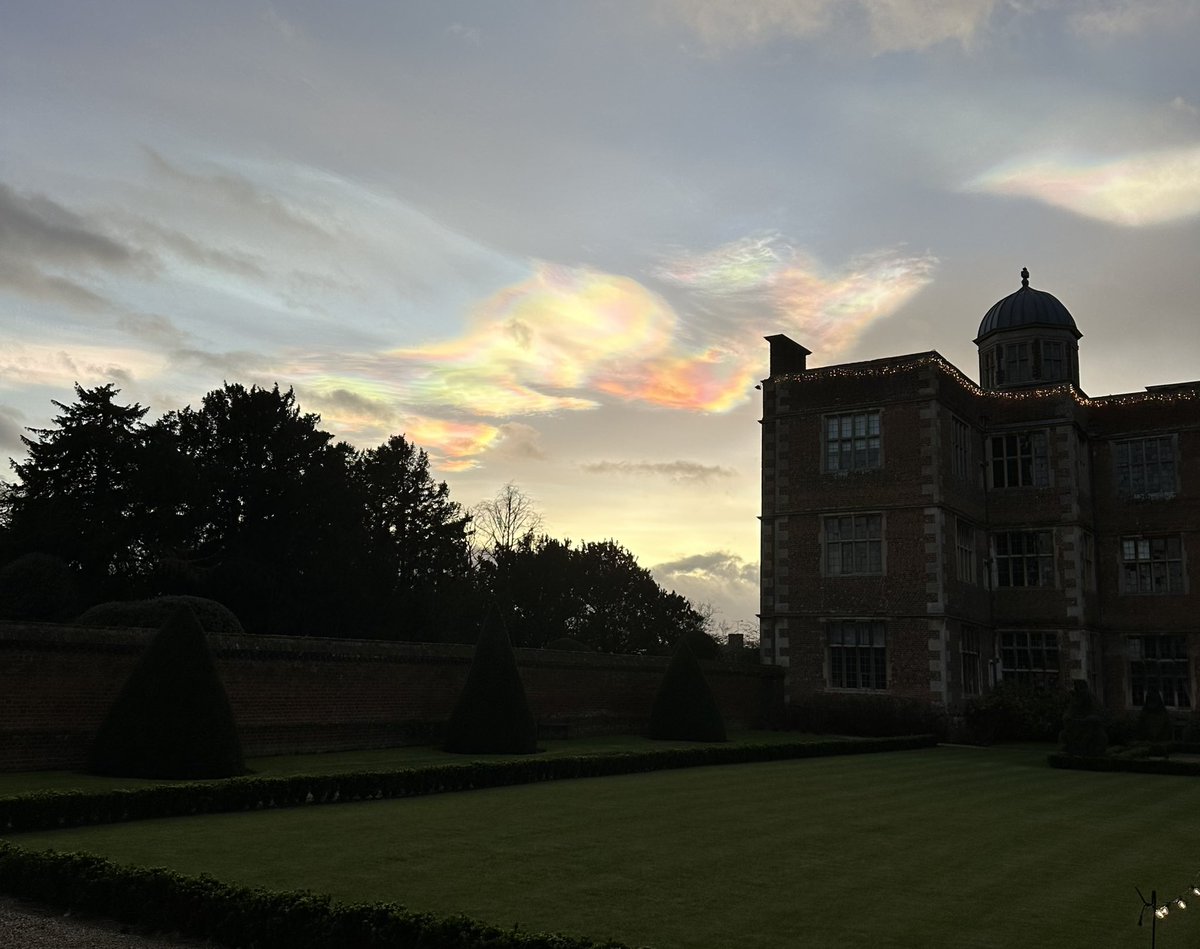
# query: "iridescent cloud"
{"points": [[1136, 191], [60, 366]]}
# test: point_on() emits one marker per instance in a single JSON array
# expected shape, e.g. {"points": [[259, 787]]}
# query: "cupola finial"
{"points": [[1024, 276]]}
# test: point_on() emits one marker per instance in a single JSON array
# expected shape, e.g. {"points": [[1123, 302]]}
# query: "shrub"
{"points": [[684, 708], [1083, 731], [1012, 712], [492, 715], [38, 587], [866, 715], [214, 617], [1154, 721], [567, 644], [172, 718]]}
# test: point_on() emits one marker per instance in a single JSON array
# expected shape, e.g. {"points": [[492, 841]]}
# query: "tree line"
{"points": [[247, 501]]}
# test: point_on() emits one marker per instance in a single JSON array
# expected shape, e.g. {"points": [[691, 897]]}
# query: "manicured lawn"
{"points": [[945, 847], [386, 759]]}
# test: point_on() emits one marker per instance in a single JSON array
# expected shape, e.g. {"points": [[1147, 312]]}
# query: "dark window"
{"points": [[970, 660], [857, 655], [960, 445], [1023, 558], [1146, 467], [1152, 564], [1020, 460], [852, 441], [1029, 658], [853, 544], [1053, 362], [965, 549], [1014, 363], [1160, 663]]}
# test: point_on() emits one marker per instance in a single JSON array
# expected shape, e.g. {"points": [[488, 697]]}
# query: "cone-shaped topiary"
{"points": [[492, 715], [684, 708], [172, 718], [1083, 731]]}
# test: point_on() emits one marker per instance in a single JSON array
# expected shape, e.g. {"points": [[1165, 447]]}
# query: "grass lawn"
{"points": [[943, 847], [385, 759]]}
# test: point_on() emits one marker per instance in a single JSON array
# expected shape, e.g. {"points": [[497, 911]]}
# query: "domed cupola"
{"points": [[1029, 338]]}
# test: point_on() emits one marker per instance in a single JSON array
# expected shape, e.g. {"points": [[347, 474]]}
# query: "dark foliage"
{"points": [[864, 715], [1012, 712], [492, 715], [567, 644], [38, 587], [1154, 721], [1083, 731], [172, 718], [213, 617], [685, 708]]}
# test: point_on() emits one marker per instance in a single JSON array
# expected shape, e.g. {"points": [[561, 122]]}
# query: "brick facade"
{"points": [[959, 611], [293, 695]]}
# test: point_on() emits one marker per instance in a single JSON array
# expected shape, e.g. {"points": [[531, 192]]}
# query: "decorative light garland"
{"points": [[1186, 393], [1163, 910]]}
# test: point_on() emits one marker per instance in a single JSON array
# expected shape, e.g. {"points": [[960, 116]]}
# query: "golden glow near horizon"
{"points": [[1136, 191]]}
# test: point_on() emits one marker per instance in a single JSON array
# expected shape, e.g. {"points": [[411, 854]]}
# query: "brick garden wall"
{"points": [[294, 695]]}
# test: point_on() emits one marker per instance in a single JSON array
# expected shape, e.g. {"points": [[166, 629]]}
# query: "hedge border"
{"points": [[49, 810], [164, 901], [1133, 765]]}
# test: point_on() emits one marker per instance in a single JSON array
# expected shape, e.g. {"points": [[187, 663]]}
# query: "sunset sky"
{"points": [[544, 240]]}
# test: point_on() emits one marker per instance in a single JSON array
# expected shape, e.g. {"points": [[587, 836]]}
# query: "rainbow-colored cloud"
{"points": [[1136, 191]]}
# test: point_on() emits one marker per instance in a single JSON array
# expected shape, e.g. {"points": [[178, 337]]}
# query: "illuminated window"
{"points": [[1152, 564], [1029, 658], [1146, 467], [852, 441], [1020, 460], [853, 544], [1023, 558], [1159, 663], [857, 655]]}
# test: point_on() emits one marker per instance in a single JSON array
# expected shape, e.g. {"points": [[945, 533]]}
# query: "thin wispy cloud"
{"points": [[677, 471], [892, 25], [1135, 191]]}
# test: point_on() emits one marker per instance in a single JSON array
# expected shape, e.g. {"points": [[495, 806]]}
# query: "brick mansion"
{"points": [[927, 537]]}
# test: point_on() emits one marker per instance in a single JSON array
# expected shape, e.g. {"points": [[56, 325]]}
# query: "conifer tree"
{"points": [[172, 718], [684, 708], [492, 715]]}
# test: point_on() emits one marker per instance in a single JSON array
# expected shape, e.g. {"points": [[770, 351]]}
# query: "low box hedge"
{"points": [[52, 809], [166, 901], [1137, 765]]}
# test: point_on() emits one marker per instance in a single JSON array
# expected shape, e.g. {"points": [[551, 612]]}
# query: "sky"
{"points": [[544, 240]]}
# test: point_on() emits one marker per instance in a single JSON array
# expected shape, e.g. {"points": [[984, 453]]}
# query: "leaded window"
{"points": [[1020, 460], [1145, 467], [852, 441], [1152, 565], [857, 654], [1029, 658], [1159, 663], [1023, 558], [853, 544]]}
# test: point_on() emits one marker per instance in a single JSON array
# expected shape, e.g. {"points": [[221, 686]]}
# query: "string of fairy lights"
{"points": [[1183, 393], [1163, 910]]}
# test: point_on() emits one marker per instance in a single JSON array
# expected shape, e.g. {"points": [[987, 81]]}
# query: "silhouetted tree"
{"points": [[417, 550], [82, 490], [172, 718], [684, 708], [38, 587], [501, 522], [267, 518], [492, 714]]}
